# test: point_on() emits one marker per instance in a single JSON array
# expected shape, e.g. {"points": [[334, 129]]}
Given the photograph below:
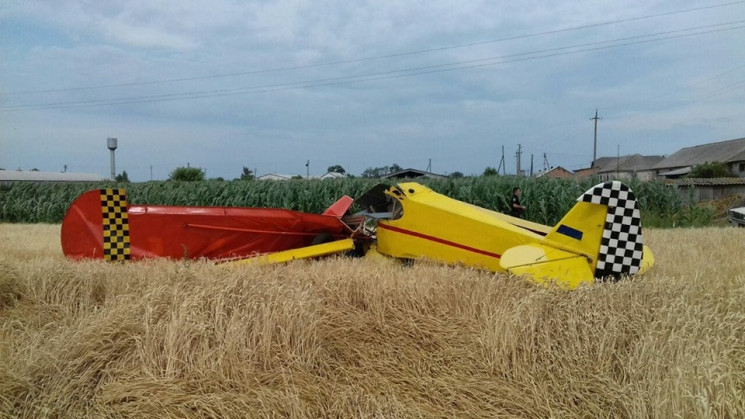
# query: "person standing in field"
{"points": [[517, 209]]}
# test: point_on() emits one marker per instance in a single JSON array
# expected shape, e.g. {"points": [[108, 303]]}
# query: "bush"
{"points": [[189, 174]]}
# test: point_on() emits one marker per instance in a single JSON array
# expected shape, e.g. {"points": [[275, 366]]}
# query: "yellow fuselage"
{"points": [[436, 227]]}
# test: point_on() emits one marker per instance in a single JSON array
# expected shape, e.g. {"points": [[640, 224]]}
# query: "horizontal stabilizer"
{"points": [[301, 253], [545, 264], [647, 260]]}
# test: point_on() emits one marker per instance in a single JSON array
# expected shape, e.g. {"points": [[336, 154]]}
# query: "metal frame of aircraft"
{"points": [[599, 238]]}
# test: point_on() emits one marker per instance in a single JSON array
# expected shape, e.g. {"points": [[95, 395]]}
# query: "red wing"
{"points": [[187, 232]]}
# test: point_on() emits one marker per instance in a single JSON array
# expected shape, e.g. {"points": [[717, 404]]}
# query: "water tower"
{"points": [[111, 143]]}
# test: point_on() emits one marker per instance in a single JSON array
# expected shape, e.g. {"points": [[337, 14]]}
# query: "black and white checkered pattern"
{"points": [[622, 247]]}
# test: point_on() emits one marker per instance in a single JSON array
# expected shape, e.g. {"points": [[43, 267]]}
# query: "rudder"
{"points": [[605, 226], [622, 244]]}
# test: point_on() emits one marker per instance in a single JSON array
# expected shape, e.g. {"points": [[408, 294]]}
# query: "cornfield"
{"points": [[547, 199]]}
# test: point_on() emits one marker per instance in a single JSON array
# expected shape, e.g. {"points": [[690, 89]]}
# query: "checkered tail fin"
{"points": [[604, 225]]}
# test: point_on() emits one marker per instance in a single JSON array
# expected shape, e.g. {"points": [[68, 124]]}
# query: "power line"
{"points": [[717, 92], [408, 72], [381, 57], [726, 89]]}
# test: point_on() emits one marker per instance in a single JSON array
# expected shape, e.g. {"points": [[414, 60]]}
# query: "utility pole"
{"points": [[546, 166], [595, 142], [307, 169], [531, 165], [517, 155], [429, 167], [501, 163], [151, 172]]}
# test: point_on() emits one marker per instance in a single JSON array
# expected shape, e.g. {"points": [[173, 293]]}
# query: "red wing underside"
{"points": [[100, 224]]}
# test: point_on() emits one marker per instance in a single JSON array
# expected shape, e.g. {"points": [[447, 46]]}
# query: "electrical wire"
{"points": [[408, 72], [380, 57]]}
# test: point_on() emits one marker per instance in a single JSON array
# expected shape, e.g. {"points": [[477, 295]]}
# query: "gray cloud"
{"points": [[223, 84]]}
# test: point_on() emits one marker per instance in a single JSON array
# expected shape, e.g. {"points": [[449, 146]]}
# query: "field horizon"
{"points": [[343, 337]]}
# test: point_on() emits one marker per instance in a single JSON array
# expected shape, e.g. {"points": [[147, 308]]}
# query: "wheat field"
{"points": [[368, 337]]}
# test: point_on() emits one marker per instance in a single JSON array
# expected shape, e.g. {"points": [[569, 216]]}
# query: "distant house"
{"points": [[708, 189], [333, 175], [731, 153], [274, 176], [279, 176], [629, 167], [585, 173], [557, 172], [634, 166], [411, 174], [35, 176]]}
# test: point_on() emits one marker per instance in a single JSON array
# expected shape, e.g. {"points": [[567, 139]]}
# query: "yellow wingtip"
{"points": [[300, 253]]}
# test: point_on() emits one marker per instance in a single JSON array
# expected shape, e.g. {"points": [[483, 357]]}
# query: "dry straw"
{"points": [[368, 338]]}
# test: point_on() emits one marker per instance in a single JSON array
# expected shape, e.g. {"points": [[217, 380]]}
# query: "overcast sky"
{"points": [[269, 85]]}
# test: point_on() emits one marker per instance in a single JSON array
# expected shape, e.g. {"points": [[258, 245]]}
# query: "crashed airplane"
{"points": [[600, 238]]}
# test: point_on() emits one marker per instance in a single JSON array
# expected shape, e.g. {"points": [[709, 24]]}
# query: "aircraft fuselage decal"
{"points": [[438, 240]]}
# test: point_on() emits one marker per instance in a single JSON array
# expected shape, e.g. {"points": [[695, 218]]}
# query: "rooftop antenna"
{"points": [[111, 144]]}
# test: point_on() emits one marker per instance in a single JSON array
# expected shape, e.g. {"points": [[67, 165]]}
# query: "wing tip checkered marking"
{"points": [[116, 245]]}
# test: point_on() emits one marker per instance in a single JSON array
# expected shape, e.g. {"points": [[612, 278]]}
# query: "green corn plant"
{"points": [[547, 199]]}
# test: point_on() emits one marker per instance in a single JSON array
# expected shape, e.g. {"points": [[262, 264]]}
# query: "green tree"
{"points": [[375, 172], [122, 177], [247, 174], [710, 170], [189, 174], [372, 172], [490, 171], [336, 169], [455, 175]]}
